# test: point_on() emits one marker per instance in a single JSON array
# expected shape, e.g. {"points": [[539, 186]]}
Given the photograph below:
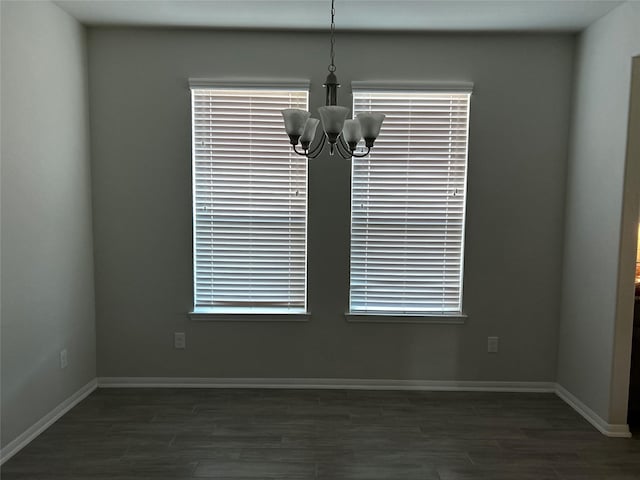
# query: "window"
{"points": [[249, 202], [408, 205]]}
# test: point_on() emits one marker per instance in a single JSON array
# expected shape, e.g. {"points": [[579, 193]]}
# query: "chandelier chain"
{"points": [[332, 66]]}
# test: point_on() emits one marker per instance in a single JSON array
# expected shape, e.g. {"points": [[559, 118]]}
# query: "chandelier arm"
{"points": [[364, 154], [343, 149], [344, 144], [313, 153], [295, 149], [353, 153]]}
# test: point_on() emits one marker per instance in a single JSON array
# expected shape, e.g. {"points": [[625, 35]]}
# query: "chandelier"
{"points": [[342, 135]]}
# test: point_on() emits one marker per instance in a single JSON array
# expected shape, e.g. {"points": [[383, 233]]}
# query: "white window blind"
{"points": [[408, 205], [249, 202]]}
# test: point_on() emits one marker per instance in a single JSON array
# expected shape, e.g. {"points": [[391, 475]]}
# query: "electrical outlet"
{"points": [[492, 344], [63, 358], [179, 340]]}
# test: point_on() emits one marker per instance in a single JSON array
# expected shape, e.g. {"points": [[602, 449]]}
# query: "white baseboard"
{"points": [[45, 422], [608, 429], [323, 383]]}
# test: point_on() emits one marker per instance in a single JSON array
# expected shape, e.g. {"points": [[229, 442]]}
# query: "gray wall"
{"points": [[47, 257], [140, 127], [595, 329]]}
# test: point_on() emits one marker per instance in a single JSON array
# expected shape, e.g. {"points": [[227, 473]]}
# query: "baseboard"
{"points": [[608, 429], [323, 383], [13, 447], [45, 422]]}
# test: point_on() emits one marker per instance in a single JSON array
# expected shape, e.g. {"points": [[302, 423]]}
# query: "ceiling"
{"points": [[394, 15]]}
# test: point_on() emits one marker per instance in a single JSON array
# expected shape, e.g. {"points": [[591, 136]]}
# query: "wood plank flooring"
{"points": [[124, 434]]}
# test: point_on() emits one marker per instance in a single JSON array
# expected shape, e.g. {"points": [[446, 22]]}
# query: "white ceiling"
{"points": [[410, 15]]}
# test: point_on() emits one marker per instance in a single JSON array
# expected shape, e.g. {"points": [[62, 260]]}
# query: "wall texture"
{"points": [[596, 319], [47, 254], [140, 127]]}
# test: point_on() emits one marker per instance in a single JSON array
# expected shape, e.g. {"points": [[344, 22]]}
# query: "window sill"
{"points": [[435, 319], [213, 315]]}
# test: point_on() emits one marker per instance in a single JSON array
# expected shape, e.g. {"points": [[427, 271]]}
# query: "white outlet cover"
{"points": [[179, 340], [63, 359]]}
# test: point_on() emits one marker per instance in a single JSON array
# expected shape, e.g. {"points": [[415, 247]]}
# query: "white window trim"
{"points": [[382, 86], [433, 319], [235, 84], [203, 315]]}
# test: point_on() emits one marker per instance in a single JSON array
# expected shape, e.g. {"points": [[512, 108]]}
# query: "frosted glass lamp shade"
{"points": [[294, 121], [352, 133], [333, 118], [309, 132], [371, 122]]}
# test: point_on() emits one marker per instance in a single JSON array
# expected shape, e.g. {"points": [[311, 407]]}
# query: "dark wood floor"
{"points": [[329, 434]]}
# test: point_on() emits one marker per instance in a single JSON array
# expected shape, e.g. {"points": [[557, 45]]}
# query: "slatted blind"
{"points": [[408, 204], [249, 202]]}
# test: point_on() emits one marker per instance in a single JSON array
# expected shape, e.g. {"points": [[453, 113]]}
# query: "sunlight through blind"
{"points": [[408, 204], [249, 202]]}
